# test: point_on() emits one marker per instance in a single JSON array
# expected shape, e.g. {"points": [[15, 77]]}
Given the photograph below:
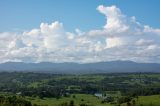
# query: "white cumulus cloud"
{"points": [[121, 38]]}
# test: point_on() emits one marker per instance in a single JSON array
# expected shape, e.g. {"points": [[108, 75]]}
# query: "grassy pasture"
{"points": [[79, 98], [153, 100]]}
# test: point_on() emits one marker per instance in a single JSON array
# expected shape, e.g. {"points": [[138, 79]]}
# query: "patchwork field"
{"points": [[77, 98], [91, 100], [112, 89]]}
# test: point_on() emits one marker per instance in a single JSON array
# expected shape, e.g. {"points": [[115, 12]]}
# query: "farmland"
{"points": [[112, 89]]}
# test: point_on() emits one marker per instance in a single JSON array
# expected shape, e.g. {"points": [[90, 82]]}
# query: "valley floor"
{"points": [[112, 89], [91, 100]]}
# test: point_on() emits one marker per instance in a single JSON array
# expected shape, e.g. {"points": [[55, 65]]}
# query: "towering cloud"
{"points": [[116, 21], [121, 38]]}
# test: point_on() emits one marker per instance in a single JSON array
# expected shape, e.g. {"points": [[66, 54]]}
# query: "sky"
{"points": [[79, 30]]}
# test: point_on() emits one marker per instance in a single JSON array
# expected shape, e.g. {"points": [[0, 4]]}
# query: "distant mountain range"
{"points": [[99, 67]]}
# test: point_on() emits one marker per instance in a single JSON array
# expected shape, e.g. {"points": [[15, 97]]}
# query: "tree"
{"points": [[82, 104], [71, 103], [129, 104], [133, 102], [64, 104], [74, 96]]}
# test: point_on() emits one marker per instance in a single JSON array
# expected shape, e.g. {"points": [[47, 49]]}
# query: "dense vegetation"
{"points": [[106, 89], [13, 101]]}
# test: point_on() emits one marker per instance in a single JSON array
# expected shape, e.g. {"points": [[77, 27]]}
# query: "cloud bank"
{"points": [[121, 38]]}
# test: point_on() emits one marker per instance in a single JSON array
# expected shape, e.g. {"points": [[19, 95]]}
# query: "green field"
{"points": [[91, 100], [153, 100], [149, 100], [113, 89], [79, 99]]}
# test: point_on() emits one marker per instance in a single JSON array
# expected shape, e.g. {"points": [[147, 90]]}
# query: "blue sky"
{"points": [[80, 31], [20, 15]]}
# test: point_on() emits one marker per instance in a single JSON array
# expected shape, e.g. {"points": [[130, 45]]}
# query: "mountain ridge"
{"points": [[71, 67]]}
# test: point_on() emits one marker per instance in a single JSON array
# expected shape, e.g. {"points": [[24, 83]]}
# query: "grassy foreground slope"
{"points": [[153, 100]]}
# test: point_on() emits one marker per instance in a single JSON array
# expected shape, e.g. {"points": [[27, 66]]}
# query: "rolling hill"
{"points": [[99, 67]]}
